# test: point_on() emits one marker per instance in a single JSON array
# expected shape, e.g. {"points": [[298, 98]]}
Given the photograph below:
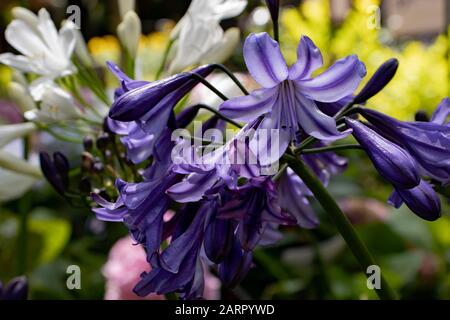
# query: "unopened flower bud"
{"points": [[379, 80]]}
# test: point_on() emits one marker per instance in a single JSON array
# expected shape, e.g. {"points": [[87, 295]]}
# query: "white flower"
{"points": [[129, 32], [125, 6], [16, 174], [10, 132], [55, 104], [44, 50], [21, 96], [199, 32]]}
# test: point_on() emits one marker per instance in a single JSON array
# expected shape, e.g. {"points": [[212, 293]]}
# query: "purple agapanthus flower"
{"points": [[406, 153], [393, 162], [427, 142], [422, 200], [287, 100]]}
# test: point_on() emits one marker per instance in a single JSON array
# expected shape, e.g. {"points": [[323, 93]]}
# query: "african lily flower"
{"points": [[393, 162], [422, 200], [427, 142], [44, 50], [405, 153], [287, 98]]}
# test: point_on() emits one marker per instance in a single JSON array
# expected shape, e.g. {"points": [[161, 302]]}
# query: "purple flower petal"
{"points": [[316, 123], [393, 162], [442, 112], [264, 60], [292, 193], [248, 108], [193, 188], [422, 200], [309, 59], [337, 82]]}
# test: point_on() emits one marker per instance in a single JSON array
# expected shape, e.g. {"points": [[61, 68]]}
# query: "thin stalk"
{"points": [[276, 32], [332, 148], [164, 61], [343, 225], [207, 84], [221, 116], [232, 77], [24, 208]]}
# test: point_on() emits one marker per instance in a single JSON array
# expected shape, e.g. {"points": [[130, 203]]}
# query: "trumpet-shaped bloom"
{"points": [[287, 101], [44, 50], [393, 162], [55, 104], [427, 142], [422, 200]]}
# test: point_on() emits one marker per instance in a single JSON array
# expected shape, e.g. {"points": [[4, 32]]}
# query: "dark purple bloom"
{"points": [[17, 289], [287, 99], [177, 265], [427, 142], [379, 80], [141, 206], [255, 206], [422, 200], [235, 266], [393, 162], [293, 196], [55, 170], [155, 99]]}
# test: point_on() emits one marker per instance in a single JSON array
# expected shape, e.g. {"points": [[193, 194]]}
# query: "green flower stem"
{"points": [[164, 61], [341, 222], [332, 148], [232, 77], [24, 208], [221, 116]]}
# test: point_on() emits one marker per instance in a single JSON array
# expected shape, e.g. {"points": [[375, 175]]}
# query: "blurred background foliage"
{"points": [[414, 255], [423, 77]]}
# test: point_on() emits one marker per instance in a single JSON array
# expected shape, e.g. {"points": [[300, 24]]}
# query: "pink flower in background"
{"points": [[126, 262]]}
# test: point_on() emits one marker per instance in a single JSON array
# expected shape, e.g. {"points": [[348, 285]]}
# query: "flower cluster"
{"points": [[199, 202]]}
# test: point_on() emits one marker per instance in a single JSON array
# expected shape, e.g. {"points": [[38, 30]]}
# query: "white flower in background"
{"points": [[129, 32], [199, 33], [125, 6], [11, 132], [44, 50], [16, 174], [21, 96], [55, 104]]}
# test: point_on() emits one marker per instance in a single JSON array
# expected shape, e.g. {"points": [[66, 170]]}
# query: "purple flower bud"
{"points": [[17, 289], [379, 80], [421, 116], [187, 116], [88, 143], [235, 266], [393, 162], [153, 96], [52, 174], [422, 200], [219, 239], [103, 141]]}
